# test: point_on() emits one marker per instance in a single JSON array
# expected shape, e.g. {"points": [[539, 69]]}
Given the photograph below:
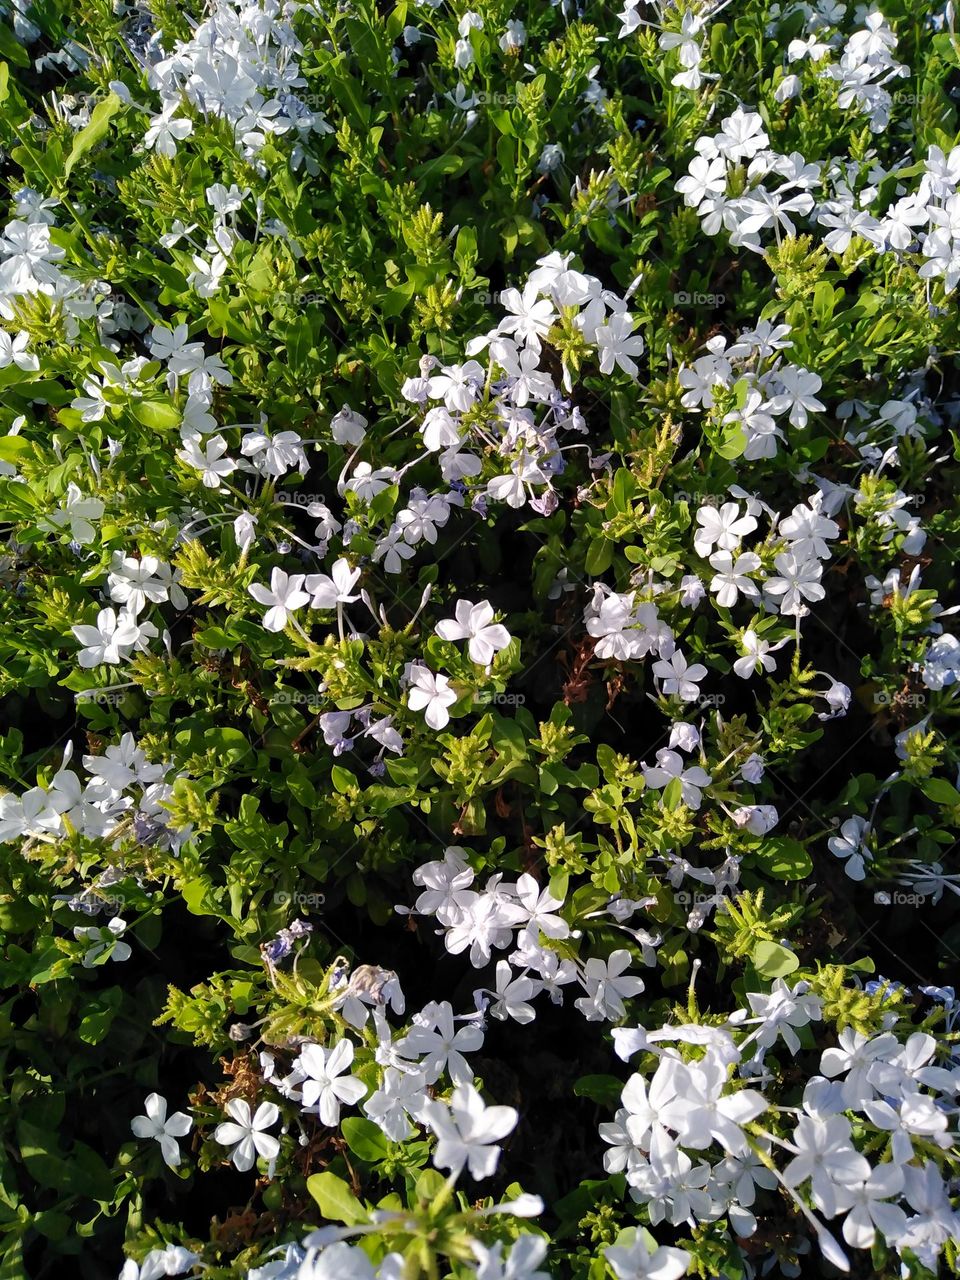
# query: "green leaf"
{"points": [[673, 794], [603, 1089], [786, 859], [337, 1202], [465, 251], [159, 415], [94, 132], [12, 447], [940, 791], [771, 960], [299, 340], [364, 1138], [599, 557], [13, 49]]}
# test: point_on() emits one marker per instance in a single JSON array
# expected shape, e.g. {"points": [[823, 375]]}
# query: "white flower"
{"points": [[797, 581], [457, 385], [756, 655], [75, 512], [617, 346], [514, 38], [607, 986], [329, 590], [111, 640], [475, 621], [338, 1261], [670, 765], [348, 427], [538, 908], [325, 1086], [401, 1096], [529, 317], [447, 887], [635, 1262], [165, 1129], [684, 736], [871, 1212], [512, 995], [468, 1130], [723, 529], [211, 462], [440, 1045], [102, 939], [521, 1262], [274, 455], [165, 132], [283, 597], [782, 1009], [246, 1132], [855, 1057], [679, 678], [14, 351], [431, 694], [827, 1157], [850, 844], [731, 580], [173, 1260], [93, 405], [366, 483], [756, 818]]}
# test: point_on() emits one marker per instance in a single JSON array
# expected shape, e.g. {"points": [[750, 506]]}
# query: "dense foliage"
{"points": [[478, 782]]}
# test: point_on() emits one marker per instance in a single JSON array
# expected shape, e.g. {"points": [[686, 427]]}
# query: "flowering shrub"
{"points": [[477, 789]]}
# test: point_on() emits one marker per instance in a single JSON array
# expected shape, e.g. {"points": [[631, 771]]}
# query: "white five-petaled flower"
{"points": [[731, 579], [111, 640], [440, 1045], [678, 677], [850, 844], [723, 528], [670, 765], [210, 462], [797, 581], [326, 1086], [165, 1129], [756, 655], [328, 590], [635, 1262], [617, 344], [245, 1132], [76, 513], [14, 351], [475, 622], [432, 694], [468, 1131], [283, 597], [607, 985]]}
